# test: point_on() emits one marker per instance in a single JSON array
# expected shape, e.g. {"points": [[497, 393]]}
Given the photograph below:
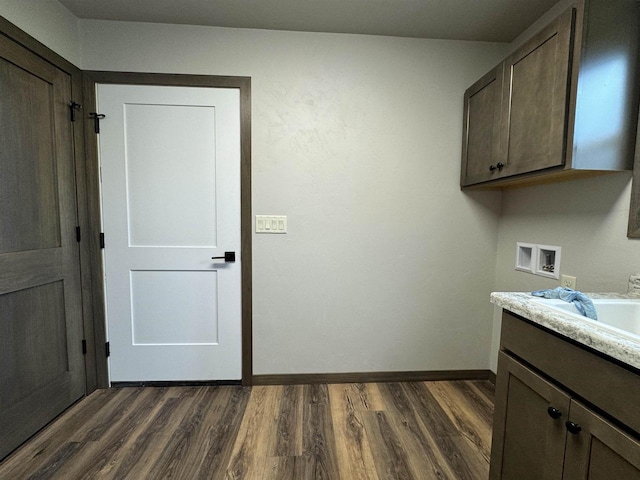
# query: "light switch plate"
{"points": [[271, 224]]}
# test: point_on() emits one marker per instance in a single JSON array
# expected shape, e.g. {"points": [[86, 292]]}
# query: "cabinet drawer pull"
{"points": [[500, 165], [554, 412], [492, 168], [573, 428]]}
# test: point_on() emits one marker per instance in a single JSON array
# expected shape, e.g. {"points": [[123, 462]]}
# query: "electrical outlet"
{"points": [[568, 281]]}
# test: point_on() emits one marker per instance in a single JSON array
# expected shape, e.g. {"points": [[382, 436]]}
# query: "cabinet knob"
{"points": [[492, 168], [573, 428], [554, 412], [500, 165]]}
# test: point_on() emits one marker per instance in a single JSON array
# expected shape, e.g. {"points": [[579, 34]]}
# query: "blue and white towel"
{"points": [[582, 302]]}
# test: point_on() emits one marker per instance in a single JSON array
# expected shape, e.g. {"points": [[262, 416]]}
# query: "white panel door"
{"points": [[170, 170]]}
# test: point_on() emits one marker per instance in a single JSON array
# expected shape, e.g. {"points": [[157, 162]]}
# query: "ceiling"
{"points": [[480, 20]]}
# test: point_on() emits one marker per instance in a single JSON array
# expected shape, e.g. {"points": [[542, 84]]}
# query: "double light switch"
{"points": [[271, 224]]}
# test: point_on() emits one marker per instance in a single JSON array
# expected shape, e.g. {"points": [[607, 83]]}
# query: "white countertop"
{"points": [[604, 341]]}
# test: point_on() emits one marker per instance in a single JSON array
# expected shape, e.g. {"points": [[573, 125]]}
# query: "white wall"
{"points": [[387, 264], [587, 218], [47, 21]]}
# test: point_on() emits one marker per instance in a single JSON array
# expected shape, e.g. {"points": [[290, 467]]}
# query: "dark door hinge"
{"points": [[84, 347], [101, 240], [73, 106], [78, 237], [107, 349], [96, 120]]}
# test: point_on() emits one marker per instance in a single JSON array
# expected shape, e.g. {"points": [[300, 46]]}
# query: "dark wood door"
{"points": [[481, 129], [535, 99], [41, 363], [599, 450], [528, 437]]}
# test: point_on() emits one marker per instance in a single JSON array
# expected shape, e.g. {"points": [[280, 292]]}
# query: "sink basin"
{"points": [[619, 316]]}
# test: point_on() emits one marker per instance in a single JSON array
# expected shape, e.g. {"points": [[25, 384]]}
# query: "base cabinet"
{"points": [[544, 431], [599, 451], [528, 441]]}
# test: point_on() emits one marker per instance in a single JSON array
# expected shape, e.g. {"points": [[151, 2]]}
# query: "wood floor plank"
{"points": [[353, 451], [398, 431], [480, 395], [256, 435], [316, 393], [366, 396], [388, 450], [42, 446], [214, 445], [106, 417], [487, 388], [466, 460], [461, 457], [429, 409], [463, 416], [290, 468], [168, 464], [97, 455], [319, 440], [289, 434], [144, 450], [114, 452], [61, 458], [424, 456]]}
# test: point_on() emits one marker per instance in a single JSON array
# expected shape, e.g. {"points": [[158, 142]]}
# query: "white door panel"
{"points": [[170, 161]]}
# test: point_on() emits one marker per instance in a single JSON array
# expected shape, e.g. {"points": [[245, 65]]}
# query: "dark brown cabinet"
{"points": [[599, 450], [481, 129], [530, 445], [534, 104], [543, 429], [566, 106]]}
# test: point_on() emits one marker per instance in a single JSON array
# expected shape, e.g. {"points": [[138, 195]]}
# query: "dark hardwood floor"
{"points": [[419, 430]]}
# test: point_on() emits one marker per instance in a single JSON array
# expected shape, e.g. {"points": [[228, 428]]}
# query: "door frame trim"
{"points": [[243, 84]]}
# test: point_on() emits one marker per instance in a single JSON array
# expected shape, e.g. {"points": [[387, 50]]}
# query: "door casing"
{"points": [[90, 79]]}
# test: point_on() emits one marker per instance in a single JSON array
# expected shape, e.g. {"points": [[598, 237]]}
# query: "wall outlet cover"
{"points": [[568, 281]]}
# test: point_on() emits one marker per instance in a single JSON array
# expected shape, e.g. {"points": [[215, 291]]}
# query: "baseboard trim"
{"points": [[492, 377], [204, 383], [370, 377]]}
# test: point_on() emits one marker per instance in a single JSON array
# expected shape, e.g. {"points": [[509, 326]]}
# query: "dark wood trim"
{"points": [[370, 377], [164, 384], [91, 78], [92, 237], [86, 266], [633, 230], [17, 35], [492, 377]]}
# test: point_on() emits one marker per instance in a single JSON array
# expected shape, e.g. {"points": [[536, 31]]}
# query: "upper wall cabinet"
{"points": [[534, 106], [481, 129], [566, 105]]}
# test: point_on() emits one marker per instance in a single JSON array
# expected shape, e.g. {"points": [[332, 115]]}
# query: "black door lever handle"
{"points": [[228, 257]]}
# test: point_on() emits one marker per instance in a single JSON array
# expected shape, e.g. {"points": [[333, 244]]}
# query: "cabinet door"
{"points": [[599, 451], [41, 363], [528, 437], [536, 98], [481, 129]]}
